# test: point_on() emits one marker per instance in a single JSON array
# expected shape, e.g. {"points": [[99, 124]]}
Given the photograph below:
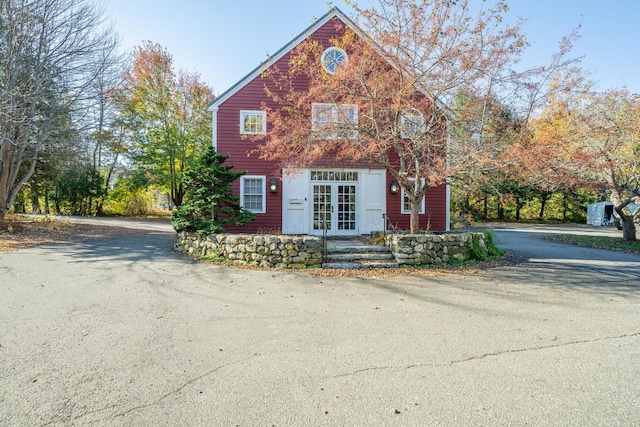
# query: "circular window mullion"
{"points": [[333, 58]]}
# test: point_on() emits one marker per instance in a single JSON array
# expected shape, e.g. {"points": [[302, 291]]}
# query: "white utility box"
{"points": [[600, 213]]}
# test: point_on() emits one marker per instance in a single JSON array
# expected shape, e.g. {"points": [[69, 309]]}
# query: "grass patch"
{"points": [[214, 258], [604, 242], [487, 252]]}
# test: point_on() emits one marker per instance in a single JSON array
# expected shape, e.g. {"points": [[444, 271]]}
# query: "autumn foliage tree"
{"points": [[387, 104], [165, 114], [546, 157], [604, 139], [484, 133], [609, 128]]}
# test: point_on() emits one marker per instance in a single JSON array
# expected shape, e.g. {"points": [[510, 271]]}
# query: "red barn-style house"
{"points": [[345, 199]]}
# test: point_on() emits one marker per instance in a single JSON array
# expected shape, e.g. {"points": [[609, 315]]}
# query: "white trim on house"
{"points": [[332, 58], [214, 127], [334, 12], [256, 113], [404, 211], [263, 179], [448, 215], [326, 120], [411, 125], [298, 199]]}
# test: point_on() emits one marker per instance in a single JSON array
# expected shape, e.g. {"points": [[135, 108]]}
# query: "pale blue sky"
{"points": [[224, 40]]}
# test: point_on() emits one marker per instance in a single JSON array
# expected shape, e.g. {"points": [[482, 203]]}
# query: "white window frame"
{"points": [[402, 200], [328, 59], [263, 194], [257, 113], [413, 118], [332, 113]]}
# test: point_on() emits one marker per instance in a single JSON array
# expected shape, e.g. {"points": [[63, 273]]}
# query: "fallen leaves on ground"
{"points": [[378, 273], [381, 273], [17, 233]]}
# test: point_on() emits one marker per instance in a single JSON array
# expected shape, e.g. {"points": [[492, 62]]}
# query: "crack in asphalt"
{"points": [[484, 356], [191, 381], [544, 347], [158, 400]]}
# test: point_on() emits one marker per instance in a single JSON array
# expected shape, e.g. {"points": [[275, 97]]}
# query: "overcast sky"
{"points": [[224, 40]]}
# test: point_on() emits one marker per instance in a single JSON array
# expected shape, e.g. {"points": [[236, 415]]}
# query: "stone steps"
{"points": [[356, 254], [361, 265], [362, 256], [343, 247]]}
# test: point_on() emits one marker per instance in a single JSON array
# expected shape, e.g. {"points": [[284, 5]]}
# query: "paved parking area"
{"points": [[123, 331]]}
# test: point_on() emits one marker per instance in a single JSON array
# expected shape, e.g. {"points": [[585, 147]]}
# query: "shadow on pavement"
{"points": [[138, 247]]}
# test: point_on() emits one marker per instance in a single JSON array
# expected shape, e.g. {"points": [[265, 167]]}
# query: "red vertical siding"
{"points": [[243, 155], [435, 217], [242, 152]]}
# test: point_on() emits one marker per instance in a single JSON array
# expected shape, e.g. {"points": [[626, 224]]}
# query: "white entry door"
{"points": [[334, 209], [334, 204]]}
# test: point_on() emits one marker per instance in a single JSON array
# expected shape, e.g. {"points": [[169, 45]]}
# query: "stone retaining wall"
{"points": [[416, 249], [257, 249], [306, 251]]}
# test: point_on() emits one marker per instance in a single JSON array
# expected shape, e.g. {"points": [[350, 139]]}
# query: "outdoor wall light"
{"points": [[273, 185], [395, 187]]}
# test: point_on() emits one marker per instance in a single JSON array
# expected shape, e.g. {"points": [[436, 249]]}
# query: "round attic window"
{"points": [[333, 58]]}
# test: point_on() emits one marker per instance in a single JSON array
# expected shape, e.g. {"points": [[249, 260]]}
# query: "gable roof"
{"points": [[333, 13]]}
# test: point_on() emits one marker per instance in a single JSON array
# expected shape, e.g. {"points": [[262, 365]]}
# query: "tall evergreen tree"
{"points": [[210, 202]]}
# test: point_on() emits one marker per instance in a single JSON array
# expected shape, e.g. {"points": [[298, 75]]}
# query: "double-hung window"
{"points": [[411, 125], [253, 122], [253, 193], [406, 204], [334, 121]]}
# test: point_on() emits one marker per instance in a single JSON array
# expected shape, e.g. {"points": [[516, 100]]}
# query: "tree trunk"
{"points": [[35, 203], [500, 210], [56, 201], [415, 218], [628, 228], [5, 159], [543, 203], [619, 203], [485, 211]]}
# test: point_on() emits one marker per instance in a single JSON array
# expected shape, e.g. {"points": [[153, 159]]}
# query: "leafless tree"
{"points": [[51, 53]]}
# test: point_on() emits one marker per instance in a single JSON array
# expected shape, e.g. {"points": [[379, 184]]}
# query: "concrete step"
{"points": [[355, 257], [350, 247], [361, 265], [356, 254]]}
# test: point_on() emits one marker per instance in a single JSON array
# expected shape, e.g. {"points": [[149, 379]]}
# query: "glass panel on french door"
{"points": [[346, 207], [322, 207]]}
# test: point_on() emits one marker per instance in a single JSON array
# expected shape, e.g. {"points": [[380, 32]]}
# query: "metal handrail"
{"points": [[324, 239], [387, 223]]}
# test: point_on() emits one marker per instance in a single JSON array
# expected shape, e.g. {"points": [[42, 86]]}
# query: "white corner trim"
{"points": [[214, 127], [448, 206]]}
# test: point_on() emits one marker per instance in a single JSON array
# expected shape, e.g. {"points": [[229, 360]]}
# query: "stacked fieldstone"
{"points": [[416, 249], [306, 251], [257, 249]]}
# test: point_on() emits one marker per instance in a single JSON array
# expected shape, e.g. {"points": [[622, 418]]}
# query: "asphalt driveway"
{"points": [[123, 331]]}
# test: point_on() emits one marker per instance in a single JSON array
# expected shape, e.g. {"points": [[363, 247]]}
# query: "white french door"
{"points": [[334, 203]]}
